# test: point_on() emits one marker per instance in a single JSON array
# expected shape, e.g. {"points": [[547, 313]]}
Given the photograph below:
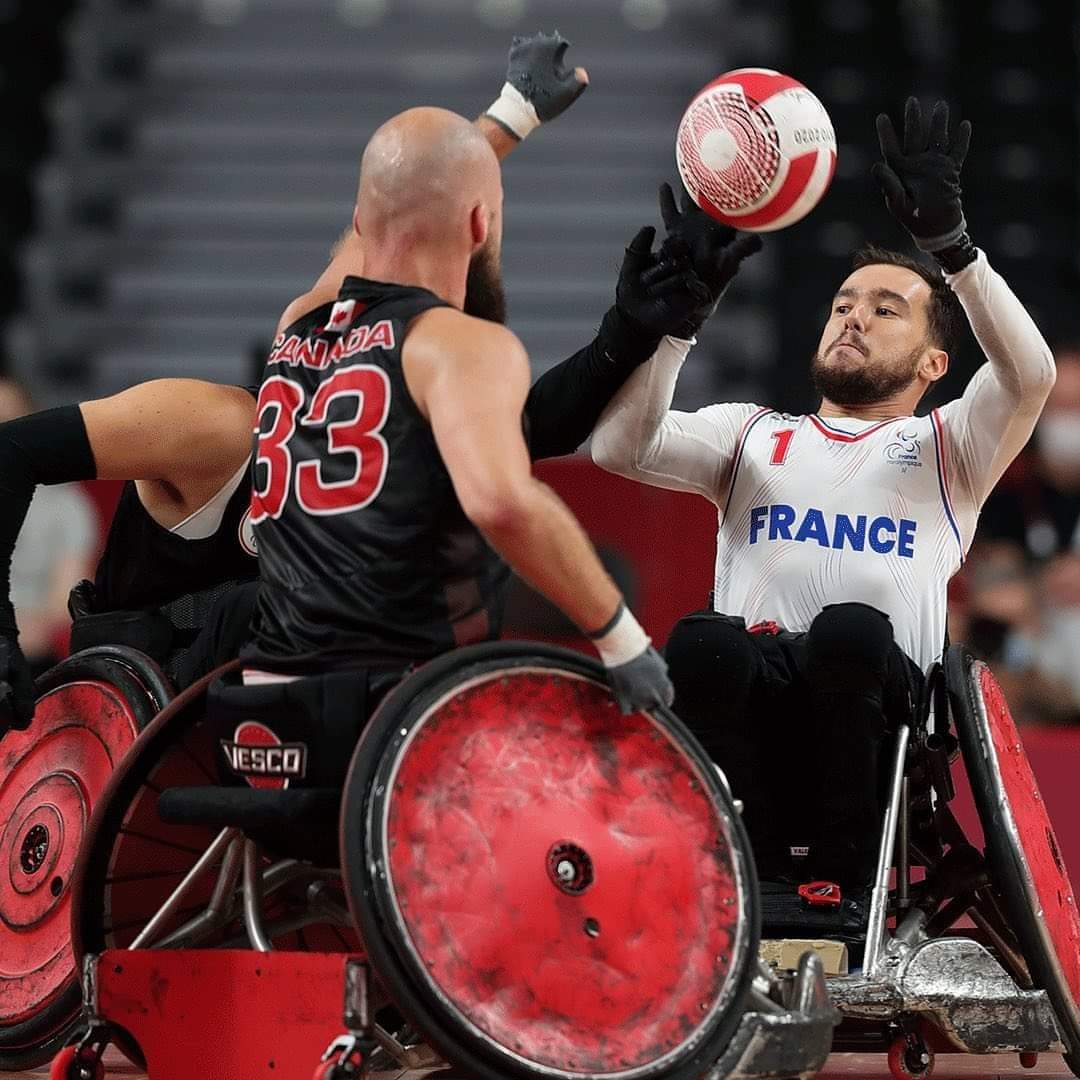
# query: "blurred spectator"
{"points": [[56, 548], [1037, 504], [1027, 625]]}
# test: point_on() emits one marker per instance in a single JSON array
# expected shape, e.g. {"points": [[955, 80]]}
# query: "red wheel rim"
{"points": [[58, 1070], [538, 843], [52, 776], [1027, 820]]}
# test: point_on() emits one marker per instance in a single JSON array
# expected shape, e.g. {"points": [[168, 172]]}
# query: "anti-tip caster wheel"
{"points": [[910, 1058], [68, 1065], [335, 1070]]}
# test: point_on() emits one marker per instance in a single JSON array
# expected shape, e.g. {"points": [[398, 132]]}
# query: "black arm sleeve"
{"points": [[49, 447], [564, 403]]}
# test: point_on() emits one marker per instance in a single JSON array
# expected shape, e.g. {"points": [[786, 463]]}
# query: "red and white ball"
{"points": [[756, 149]]}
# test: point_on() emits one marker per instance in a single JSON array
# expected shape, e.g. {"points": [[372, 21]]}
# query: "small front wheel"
{"points": [[910, 1058], [335, 1070], [69, 1064]]}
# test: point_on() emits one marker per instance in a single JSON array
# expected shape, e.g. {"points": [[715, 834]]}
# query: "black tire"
{"points": [[148, 674], [365, 795], [140, 682]]}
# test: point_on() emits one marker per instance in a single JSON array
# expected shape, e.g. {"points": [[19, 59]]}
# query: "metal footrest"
{"points": [[789, 1037]]}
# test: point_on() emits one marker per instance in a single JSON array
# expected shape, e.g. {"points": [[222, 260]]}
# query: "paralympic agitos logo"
{"points": [[262, 759]]}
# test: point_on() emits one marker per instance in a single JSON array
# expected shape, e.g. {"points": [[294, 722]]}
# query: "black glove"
{"points": [[642, 683], [16, 685], [537, 73], [659, 296], [716, 249], [921, 181]]}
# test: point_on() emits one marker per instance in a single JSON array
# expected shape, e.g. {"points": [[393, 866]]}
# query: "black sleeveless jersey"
{"points": [[145, 566], [366, 556]]}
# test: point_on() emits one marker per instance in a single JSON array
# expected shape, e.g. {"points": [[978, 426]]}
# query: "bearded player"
{"points": [[392, 481], [181, 538], [839, 531]]}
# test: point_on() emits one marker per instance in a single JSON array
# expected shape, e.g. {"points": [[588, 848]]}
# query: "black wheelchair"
{"points": [[973, 943]]}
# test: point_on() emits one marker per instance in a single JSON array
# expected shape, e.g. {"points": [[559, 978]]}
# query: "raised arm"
{"points": [[669, 293], [988, 426], [642, 438], [469, 378], [538, 88], [639, 436], [652, 298]]}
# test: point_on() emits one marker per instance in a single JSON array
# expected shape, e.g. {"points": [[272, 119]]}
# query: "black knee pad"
{"points": [[848, 647], [711, 661]]}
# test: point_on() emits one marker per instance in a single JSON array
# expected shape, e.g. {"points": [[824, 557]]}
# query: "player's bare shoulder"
{"points": [[448, 332], [445, 345]]}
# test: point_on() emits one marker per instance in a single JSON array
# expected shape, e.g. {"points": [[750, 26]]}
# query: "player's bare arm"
{"points": [[469, 378], [181, 439]]}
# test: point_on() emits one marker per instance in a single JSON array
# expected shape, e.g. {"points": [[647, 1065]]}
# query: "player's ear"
{"points": [[934, 364], [356, 220], [479, 225]]}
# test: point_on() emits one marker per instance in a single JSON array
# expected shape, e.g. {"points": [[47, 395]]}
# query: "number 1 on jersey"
{"points": [[783, 441]]}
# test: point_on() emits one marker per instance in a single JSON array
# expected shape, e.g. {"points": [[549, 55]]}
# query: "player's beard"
{"points": [[484, 295], [867, 384]]}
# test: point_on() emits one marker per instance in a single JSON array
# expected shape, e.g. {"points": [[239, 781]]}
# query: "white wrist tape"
{"points": [[624, 642], [514, 111]]}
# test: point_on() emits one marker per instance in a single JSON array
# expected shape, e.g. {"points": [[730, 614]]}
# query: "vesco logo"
{"points": [[262, 759]]}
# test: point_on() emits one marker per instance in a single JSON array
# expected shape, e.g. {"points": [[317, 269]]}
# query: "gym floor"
{"points": [[947, 1067]]}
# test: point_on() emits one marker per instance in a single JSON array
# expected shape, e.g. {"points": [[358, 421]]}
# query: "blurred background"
{"points": [[175, 171]]}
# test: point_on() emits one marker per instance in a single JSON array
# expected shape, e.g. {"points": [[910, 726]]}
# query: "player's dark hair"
{"points": [[944, 313]]}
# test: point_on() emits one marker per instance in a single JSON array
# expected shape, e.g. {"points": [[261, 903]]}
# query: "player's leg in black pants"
{"points": [[722, 691], [856, 676]]}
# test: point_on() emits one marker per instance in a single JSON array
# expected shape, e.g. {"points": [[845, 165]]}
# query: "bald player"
{"points": [[181, 536], [392, 477]]}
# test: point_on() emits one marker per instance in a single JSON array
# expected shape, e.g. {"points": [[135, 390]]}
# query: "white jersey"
{"points": [[821, 510], [815, 511]]}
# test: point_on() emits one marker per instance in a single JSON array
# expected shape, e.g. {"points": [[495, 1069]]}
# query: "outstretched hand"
{"points": [[711, 250], [716, 250], [920, 179], [661, 296], [539, 86]]}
